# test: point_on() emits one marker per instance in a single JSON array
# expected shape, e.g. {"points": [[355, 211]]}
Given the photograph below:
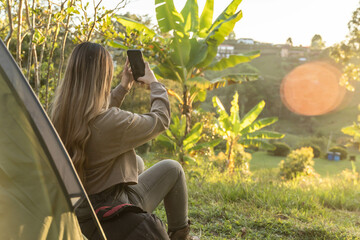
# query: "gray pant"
{"points": [[163, 181]]}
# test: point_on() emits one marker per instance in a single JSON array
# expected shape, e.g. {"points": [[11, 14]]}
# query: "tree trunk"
{"points": [[8, 37], [48, 69], [36, 72], [186, 110], [44, 44], [62, 51], [19, 38], [31, 24], [230, 157]]}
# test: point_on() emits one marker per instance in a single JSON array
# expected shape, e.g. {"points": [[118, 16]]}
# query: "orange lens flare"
{"points": [[312, 89]]}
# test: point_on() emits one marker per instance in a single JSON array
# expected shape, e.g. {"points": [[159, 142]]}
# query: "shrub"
{"points": [[316, 149], [321, 142], [298, 163], [343, 152], [281, 149]]}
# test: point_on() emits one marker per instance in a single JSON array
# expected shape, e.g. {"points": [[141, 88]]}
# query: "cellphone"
{"points": [[137, 63]]}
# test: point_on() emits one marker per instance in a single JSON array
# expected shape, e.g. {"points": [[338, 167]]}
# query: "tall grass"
{"points": [[262, 206]]}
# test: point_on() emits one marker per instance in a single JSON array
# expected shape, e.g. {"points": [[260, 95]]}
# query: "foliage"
{"points": [[184, 145], [343, 152], [289, 41], [39, 33], [315, 148], [354, 131], [347, 52], [190, 47], [317, 42], [350, 175], [281, 149], [265, 207], [298, 163], [244, 132]]}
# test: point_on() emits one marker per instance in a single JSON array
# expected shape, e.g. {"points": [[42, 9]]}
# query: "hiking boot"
{"points": [[182, 234]]}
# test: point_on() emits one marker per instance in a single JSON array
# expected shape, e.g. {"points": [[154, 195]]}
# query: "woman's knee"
{"points": [[173, 165]]}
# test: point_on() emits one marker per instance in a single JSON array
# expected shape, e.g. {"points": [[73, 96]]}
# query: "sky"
{"points": [[274, 21]]}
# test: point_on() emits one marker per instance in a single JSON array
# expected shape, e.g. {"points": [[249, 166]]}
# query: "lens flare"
{"points": [[312, 89]]}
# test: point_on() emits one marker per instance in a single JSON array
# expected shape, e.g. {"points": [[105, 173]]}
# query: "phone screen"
{"points": [[137, 63]]}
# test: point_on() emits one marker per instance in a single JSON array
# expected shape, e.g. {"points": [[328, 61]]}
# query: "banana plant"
{"points": [[183, 144], [246, 131], [354, 131], [190, 48]]}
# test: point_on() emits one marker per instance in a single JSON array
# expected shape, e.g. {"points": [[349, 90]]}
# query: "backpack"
{"points": [[125, 221]]}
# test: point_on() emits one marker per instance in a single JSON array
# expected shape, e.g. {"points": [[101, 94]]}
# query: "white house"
{"points": [[225, 50]]}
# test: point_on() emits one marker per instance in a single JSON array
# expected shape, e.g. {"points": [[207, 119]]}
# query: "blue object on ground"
{"points": [[330, 156], [337, 156]]}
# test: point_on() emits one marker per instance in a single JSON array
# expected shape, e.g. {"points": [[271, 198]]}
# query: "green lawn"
{"points": [[261, 160], [223, 206]]}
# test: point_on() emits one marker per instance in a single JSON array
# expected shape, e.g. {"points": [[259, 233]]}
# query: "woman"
{"points": [[100, 137]]}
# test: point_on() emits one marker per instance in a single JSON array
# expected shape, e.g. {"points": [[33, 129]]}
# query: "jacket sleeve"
{"points": [[117, 96], [123, 130]]}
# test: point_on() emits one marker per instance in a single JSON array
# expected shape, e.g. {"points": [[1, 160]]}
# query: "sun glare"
{"points": [[312, 89]]}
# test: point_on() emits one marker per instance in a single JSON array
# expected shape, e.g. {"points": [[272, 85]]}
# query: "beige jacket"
{"points": [[115, 134]]}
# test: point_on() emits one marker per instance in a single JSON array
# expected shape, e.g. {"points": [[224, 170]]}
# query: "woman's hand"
{"points": [[127, 79], [149, 76]]}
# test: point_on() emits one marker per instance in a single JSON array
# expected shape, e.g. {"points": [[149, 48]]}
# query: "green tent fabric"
{"points": [[39, 188]]}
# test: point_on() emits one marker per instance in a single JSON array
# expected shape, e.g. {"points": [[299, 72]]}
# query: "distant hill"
{"points": [[275, 62]]}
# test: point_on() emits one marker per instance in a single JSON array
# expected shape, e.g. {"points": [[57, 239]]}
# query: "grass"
{"points": [[223, 206], [326, 168]]}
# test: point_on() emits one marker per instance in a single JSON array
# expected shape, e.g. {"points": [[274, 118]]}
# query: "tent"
{"points": [[39, 188]]}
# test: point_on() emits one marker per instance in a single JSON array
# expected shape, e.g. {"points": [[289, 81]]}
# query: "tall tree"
{"points": [[317, 42], [289, 41]]}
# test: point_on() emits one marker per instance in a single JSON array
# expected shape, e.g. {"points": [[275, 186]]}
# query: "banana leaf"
{"points": [[233, 60], [193, 136], [227, 13], [166, 142], [223, 119], [263, 135], [257, 143], [259, 124], [210, 144], [206, 18], [251, 116], [116, 44], [181, 52], [167, 16], [353, 130], [217, 36], [234, 114], [129, 23], [199, 82], [177, 127], [191, 16], [222, 81], [198, 52], [167, 72]]}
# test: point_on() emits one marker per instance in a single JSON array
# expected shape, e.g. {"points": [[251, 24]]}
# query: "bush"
{"points": [[316, 149], [321, 142], [298, 163], [281, 149], [343, 152]]}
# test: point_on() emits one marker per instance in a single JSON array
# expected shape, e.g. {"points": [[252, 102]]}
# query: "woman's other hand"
{"points": [[127, 79], [149, 76]]}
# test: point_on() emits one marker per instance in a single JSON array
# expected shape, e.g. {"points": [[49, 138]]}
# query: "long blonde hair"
{"points": [[82, 95]]}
